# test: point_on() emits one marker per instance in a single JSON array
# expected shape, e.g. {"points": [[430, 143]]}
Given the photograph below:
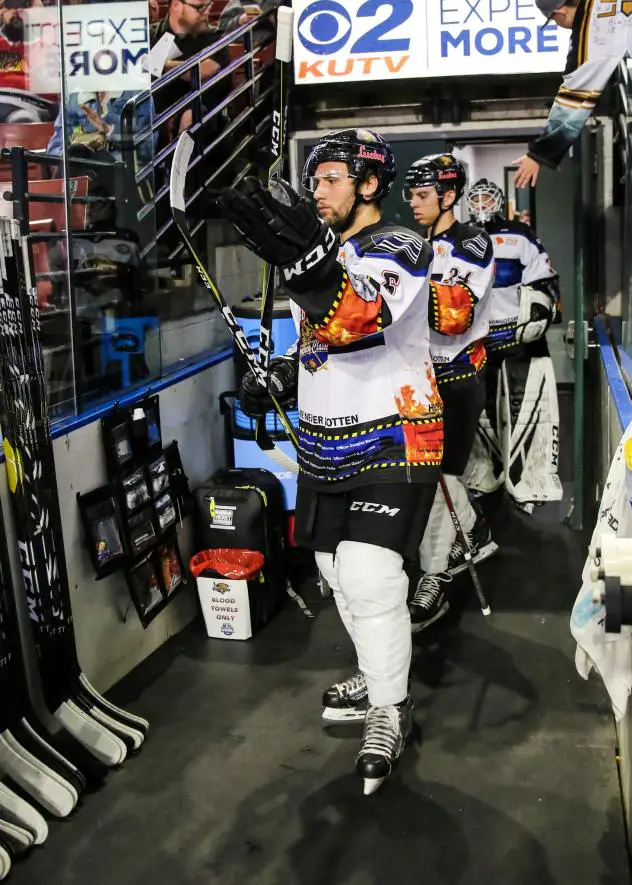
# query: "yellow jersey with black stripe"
{"points": [[600, 40]]}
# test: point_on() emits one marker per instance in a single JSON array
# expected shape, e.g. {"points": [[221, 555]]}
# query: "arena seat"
{"points": [[32, 136]]}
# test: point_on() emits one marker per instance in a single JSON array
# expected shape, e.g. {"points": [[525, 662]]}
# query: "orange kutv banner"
{"points": [[337, 41]]}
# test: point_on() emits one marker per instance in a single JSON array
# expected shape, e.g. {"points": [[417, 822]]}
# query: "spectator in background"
{"points": [[238, 12], [188, 21], [96, 143], [12, 62], [93, 121]]}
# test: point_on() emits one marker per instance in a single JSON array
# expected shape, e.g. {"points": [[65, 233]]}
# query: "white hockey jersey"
{"points": [[369, 409], [601, 38], [520, 259], [462, 276]]}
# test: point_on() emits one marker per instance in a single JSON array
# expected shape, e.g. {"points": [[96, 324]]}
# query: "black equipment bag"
{"points": [[243, 508]]}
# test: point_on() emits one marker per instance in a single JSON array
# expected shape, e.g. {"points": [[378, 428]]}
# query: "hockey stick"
{"points": [[278, 148], [466, 546], [179, 167]]}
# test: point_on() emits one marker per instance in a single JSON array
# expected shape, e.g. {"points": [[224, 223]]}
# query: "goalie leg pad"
{"points": [[530, 431]]}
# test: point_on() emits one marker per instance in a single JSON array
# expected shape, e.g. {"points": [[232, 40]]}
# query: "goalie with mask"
{"points": [[517, 440]]}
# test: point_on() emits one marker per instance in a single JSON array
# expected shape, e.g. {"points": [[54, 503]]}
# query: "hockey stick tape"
{"points": [[285, 28], [179, 168]]}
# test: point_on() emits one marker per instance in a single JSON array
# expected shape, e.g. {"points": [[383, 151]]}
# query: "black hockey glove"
{"points": [[282, 383], [283, 229]]}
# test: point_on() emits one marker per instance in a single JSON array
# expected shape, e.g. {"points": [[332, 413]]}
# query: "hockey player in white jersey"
{"points": [[601, 38], [518, 435], [371, 425], [460, 306]]}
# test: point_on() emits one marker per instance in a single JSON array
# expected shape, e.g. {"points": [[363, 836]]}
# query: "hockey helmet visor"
{"points": [[443, 172], [364, 152]]}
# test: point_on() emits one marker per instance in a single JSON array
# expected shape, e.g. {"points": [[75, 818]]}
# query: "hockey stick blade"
{"points": [[14, 808], [285, 35], [105, 746], [129, 718]]}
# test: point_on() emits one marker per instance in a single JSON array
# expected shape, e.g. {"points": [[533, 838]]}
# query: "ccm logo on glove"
{"points": [[307, 262], [379, 509]]}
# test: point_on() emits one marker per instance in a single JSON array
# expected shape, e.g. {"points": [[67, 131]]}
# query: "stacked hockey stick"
{"points": [[95, 734], [278, 159]]}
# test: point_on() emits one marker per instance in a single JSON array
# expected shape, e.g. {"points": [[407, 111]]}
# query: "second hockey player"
{"points": [[460, 287]]}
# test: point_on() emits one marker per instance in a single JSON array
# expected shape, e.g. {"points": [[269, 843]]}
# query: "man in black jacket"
{"points": [[188, 21]]}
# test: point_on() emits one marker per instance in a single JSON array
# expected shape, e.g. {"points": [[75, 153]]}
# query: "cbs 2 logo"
{"points": [[325, 27]]}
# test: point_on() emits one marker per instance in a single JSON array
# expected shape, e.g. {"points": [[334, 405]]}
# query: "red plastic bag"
{"points": [[234, 564]]}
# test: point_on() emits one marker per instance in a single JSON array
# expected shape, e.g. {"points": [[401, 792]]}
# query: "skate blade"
{"points": [[484, 553], [340, 716], [418, 628], [372, 785]]}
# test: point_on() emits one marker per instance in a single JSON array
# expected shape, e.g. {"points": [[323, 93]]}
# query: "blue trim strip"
{"points": [[128, 398], [618, 386]]}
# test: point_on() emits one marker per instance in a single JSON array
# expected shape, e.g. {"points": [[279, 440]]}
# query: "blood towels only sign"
{"points": [[106, 47], [337, 41], [226, 607]]}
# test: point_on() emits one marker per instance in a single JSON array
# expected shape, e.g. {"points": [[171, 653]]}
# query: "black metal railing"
{"points": [[234, 145]]}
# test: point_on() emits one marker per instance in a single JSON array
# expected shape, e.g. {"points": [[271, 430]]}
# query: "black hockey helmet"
{"points": [[365, 153], [443, 172], [485, 201]]}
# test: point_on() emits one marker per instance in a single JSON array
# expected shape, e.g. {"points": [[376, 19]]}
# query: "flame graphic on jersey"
{"points": [[478, 355], [409, 407]]}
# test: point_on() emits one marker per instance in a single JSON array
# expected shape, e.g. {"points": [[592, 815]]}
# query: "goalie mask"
{"points": [[485, 201], [365, 153]]}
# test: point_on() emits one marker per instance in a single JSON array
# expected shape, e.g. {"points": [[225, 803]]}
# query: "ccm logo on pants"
{"points": [[379, 509]]}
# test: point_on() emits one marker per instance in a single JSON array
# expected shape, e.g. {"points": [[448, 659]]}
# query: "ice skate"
{"points": [[430, 601], [386, 731], [481, 545], [346, 701]]}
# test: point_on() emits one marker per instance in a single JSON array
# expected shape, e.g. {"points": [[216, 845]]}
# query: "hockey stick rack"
{"points": [[106, 732]]}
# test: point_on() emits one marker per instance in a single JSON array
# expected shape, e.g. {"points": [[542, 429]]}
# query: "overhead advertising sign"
{"points": [[106, 46], [336, 41]]}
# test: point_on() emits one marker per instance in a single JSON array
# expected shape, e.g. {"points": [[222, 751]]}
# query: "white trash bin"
{"points": [[225, 600]]}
